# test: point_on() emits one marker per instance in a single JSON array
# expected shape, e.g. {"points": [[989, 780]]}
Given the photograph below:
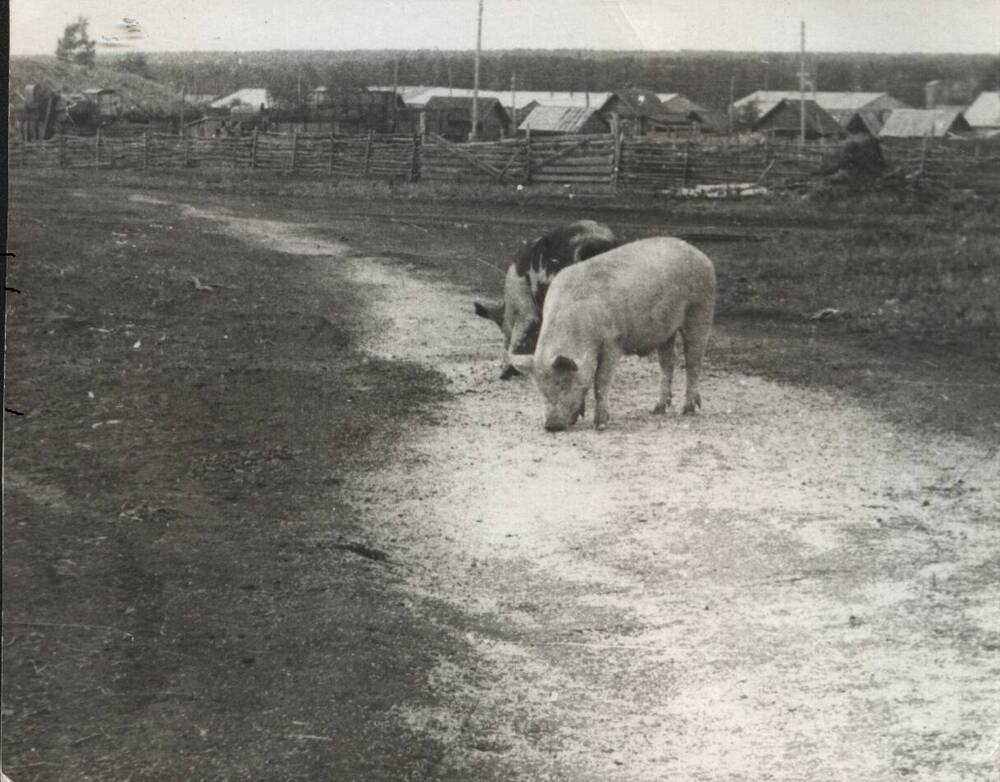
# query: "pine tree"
{"points": [[75, 45]]}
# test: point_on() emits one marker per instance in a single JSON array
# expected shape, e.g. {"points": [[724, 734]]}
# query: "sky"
{"points": [[967, 26]]}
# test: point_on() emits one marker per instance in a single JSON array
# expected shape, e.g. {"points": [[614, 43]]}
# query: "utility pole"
{"points": [[474, 134], [802, 86], [513, 100], [732, 100], [395, 88]]}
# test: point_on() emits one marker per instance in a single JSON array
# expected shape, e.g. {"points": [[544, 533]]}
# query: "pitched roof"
{"points": [[419, 96], [558, 119], [249, 96], [444, 103], [830, 101], [642, 103], [676, 103], [710, 119], [785, 114], [870, 121], [984, 111], [918, 123]]}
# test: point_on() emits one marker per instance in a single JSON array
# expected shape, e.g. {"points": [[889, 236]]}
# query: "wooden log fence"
{"points": [[600, 159]]}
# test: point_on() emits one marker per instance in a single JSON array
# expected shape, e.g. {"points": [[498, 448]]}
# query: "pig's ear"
{"points": [[522, 362], [531, 256], [565, 363], [492, 311]]}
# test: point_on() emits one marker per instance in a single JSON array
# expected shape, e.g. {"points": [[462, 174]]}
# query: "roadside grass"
{"points": [[182, 574], [825, 206], [904, 278]]}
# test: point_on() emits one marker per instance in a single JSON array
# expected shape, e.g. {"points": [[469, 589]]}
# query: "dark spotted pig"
{"points": [[629, 301], [519, 314]]}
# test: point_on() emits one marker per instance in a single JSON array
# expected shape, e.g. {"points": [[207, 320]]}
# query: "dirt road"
{"points": [[784, 587]]}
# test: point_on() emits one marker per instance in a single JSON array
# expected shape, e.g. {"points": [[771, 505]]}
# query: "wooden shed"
{"points": [[639, 111], [451, 117], [925, 123], [784, 120], [106, 100], [557, 120]]}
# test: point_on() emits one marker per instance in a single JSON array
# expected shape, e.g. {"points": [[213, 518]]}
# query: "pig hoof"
{"points": [[691, 404], [601, 421], [660, 409]]}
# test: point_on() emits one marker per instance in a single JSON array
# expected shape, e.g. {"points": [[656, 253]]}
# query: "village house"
{"points": [[925, 123], [347, 110], [784, 120], [418, 96], [639, 112], [948, 94], [983, 115], [842, 106], [556, 120], [866, 123], [452, 118], [684, 111]]}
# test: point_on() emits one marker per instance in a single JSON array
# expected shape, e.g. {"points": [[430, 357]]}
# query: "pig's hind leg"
{"points": [[665, 354], [695, 331]]}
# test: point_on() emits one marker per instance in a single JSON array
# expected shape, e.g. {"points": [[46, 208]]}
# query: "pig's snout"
{"points": [[557, 422]]}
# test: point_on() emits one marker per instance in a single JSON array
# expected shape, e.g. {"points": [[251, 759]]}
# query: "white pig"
{"points": [[628, 301]]}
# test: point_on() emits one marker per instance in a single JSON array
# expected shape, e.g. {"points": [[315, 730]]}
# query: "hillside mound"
{"points": [[150, 97]]}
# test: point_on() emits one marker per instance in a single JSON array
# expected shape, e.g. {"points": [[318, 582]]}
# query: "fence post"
{"points": [[616, 163], [236, 148], [145, 150], [687, 163], [295, 144], [253, 150], [333, 150], [187, 151], [415, 159], [368, 151], [423, 125], [923, 155], [527, 164], [62, 151], [97, 149]]}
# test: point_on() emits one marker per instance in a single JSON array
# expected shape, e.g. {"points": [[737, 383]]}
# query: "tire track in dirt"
{"points": [[784, 587]]}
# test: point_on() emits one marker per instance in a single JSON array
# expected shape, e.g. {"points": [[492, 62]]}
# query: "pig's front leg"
{"points": [[665, 353], [602, 385]]}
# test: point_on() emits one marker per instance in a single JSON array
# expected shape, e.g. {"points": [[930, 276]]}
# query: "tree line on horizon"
{"points": [[712, 79]]}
